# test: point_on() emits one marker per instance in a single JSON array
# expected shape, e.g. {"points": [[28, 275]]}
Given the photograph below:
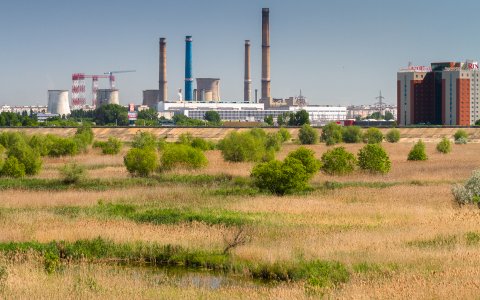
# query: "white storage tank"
{"points": [[58, 102]]}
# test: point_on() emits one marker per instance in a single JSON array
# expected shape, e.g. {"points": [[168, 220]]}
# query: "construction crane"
{"points": [[112, 78]]}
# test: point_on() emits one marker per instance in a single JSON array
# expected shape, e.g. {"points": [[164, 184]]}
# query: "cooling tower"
{"points": [[247, 85], [208, 89], [188, 69], [58, 102], [265, 56], [150, 98], [162, 82], [107, 96]]}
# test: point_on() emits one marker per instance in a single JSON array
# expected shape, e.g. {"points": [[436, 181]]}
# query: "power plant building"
{"points": [[447, 93], [107, 96], [208, 89]]}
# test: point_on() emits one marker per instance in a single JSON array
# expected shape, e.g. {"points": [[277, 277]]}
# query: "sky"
{"points": [[339, 52]]}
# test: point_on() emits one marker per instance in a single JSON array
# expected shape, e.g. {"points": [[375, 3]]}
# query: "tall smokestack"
{"points": [[162, 82], [188, 69], [247, 85], [265, 55]]}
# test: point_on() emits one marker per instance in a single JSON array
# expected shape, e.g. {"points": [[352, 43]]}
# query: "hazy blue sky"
{"points": [[337, 52]]}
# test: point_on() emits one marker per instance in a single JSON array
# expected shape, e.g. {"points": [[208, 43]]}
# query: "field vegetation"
{"points": [[379, 227]]}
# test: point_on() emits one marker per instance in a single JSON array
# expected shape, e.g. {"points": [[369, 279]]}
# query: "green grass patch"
{"points": [[317, 273], [439, 241], [374, 269], [472, 238], [333, 185]]}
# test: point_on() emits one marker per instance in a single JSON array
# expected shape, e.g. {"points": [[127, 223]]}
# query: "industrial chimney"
{"points": [[188, 69], [247, 85], [162, 82], [265, 56]]}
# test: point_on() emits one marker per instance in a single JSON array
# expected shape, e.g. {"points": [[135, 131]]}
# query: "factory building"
{"points": [[446, 93], [248, 112]]}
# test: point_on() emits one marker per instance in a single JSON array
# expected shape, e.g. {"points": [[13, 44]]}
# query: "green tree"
{"points": [[141, 162], [279, 177], [111, 114], [352, 134], [13, 168], [184, 156], [268, 120], [244, 146], [308, 135], [418, 152], [148, 114], [393, 136], [444, 146], [301, 118], [331, 134], [144, 140], [212, 117], [373, 136], [338, 161], [388, 116], [27, 156], [308, 160], [373, 158]]}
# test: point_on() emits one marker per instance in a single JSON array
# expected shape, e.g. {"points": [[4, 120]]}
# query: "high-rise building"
{"points": [[446, 93]]}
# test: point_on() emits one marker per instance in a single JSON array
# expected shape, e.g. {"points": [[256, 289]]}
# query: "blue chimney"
{"points": [[188, 69]]}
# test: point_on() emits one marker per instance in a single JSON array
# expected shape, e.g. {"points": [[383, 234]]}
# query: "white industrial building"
{"points": [[248, 112]]}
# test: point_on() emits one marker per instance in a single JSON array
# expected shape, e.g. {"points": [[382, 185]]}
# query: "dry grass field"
{"points": [[400, 235]]}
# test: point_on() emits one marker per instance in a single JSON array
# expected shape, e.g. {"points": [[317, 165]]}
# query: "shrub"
{"points": [[273, 141], [280, 177], [352, 134], [85, 133], [307, 158], [393, 136], [461, 141], [141, 162], [418, 152], [470, 192], [59, 146], [185, 138], [460, 134], [111, 146], [373, 158], [144, 140], [72, 173], [373, 136], [244, 146], [331, 134], [308, 135], [444, 146], [40, 143], [8, 139], [27, 156], [202, 144], [13, 168], [180, 155], [338, 161], [285, 135], [2, 157]]}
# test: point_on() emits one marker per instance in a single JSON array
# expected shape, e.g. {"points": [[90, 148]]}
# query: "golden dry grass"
{"points": [[351, 225]]}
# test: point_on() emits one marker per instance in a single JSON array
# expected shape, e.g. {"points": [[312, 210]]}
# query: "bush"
{"points": [[393, 136], [185, 138], [285, 135], [460, 134], [2, 157], [352, 134], [373, 158], [307, 158], [373, 136], [13, 168], [40, 143], [202, 144], [111, 146], [444, 146], [72, 173], [144, 140], [338, 161], [141, 162], [418, 152], [273, 141], [85, 133], [331, 134], [244, 146], [470, 192], [180, 155], [59, 146], [30, 159], [308, 135], [279, 177], [461, 141]]}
